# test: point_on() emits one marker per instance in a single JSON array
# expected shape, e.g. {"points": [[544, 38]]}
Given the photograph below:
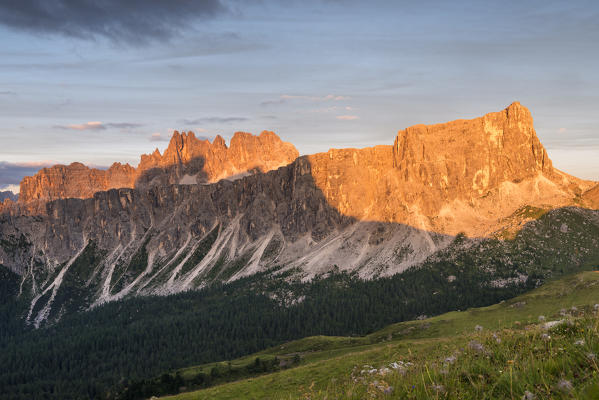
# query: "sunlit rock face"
{"points": [[187, 160], [591, 197], [467, 158], [203, 212], [460, 176], [74, 181]]}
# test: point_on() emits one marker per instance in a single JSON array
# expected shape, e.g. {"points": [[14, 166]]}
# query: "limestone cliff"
{"points": [[187, 160], [375, 211], [460, 176]]}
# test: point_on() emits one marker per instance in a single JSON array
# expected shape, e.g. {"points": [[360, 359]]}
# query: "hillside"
{"points": [[543, 342]]}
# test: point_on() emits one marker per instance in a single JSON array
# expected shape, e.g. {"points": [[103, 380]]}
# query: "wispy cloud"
{"points": [[159, 137], [99, 126], [214, 120], [347, 117], [286, 97], [131, 21], [7, 93], [123, 125], [88, 126]]}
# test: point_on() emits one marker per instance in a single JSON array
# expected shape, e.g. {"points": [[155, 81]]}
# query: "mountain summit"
{"points": [[203, 212], [186, 160]]}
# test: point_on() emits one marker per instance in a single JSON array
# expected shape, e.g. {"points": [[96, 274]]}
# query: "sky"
{"points": [[104, 81]]}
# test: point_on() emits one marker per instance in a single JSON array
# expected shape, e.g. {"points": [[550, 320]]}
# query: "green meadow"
{"points": [[540, 345]]}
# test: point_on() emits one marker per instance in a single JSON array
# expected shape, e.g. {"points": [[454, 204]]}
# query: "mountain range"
{"points": [[204, 212]]}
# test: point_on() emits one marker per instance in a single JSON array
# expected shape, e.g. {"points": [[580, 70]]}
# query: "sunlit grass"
{"points": [[518, 351]]}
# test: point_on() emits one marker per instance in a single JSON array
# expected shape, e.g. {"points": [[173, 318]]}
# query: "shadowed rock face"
{"points": [[376, 210], [187, 160]]}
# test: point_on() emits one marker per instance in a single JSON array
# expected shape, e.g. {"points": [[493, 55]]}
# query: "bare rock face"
{"points": [[74, 181], [187, 160], [591, 197], [460, 176], [375, 211], [467, 158]]}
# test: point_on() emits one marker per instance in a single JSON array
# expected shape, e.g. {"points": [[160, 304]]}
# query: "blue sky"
{"points": [[101, 85]]}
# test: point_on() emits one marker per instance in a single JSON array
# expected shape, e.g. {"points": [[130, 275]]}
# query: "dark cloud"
{"points": [[131, 21], [13, 173], [214, 120]]}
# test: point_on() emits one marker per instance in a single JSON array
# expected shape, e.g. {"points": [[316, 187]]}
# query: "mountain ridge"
{"points": [[185, 154], [374, 211]]}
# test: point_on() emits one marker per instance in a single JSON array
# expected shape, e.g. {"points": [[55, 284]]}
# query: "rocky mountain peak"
{"points": [[186, 160], [219, 142], [463, 158]]}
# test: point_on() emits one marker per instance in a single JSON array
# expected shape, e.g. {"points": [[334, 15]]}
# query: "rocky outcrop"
{"points": [[74, 181], [467, 158], [591, 197], [375, 211], [460, 176], [187, 160]]}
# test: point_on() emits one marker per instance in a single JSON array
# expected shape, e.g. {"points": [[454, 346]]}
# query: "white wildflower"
{"points": [[565, 386], [476, 346], [528, 395], [450, 359], [541, 318], [439, 388], [478, 328], [579, 342], [551, 324]]}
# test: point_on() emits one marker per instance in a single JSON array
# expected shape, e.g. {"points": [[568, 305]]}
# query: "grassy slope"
{"points": [[327, 362]]}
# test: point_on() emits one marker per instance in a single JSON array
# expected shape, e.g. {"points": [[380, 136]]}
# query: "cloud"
{"points": [[347, 117], [158, 137], [13, 173], [7, 93], [131, 21], [123, 125], [13, 188], [99, 126], [286, 97], [214, 120], [88, 126]]}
